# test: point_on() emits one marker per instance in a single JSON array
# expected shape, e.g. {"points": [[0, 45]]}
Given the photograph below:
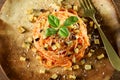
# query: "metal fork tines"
{"points": [[89, 11]]}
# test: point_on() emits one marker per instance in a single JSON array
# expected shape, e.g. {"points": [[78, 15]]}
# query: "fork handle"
{"points": [[3, 76], [112, 55]]}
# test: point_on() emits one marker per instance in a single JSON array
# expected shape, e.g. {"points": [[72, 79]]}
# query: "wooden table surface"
{"points": [[2, 77]]}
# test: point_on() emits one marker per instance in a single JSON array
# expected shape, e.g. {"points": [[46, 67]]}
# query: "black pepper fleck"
{"points": [[53, 43], [28, 59], [37, 39], [41, 30], [55, 10], [46, 48], [43, 10], [65, 43], [72, 37], [68, 55]]}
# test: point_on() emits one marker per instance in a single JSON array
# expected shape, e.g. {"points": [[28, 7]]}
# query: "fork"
{"points": [[89, 11], [3, 76]]}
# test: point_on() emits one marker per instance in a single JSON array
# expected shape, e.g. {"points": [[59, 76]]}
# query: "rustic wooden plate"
{"points": [[13, 14]]}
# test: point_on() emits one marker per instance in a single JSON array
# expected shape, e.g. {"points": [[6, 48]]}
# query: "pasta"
{"points": [[54, 50]]}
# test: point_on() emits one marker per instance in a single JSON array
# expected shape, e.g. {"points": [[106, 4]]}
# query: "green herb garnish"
{"points": [[53, 21], [62, 30], [71, 20], [50, 31]]}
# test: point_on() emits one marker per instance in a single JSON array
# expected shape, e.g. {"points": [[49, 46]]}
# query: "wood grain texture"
{"points": [[115, 76]]}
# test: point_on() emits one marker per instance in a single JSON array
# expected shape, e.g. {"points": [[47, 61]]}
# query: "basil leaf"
{"points": [[71, 20], [50, 31], [63, 32], [53, 21]]}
